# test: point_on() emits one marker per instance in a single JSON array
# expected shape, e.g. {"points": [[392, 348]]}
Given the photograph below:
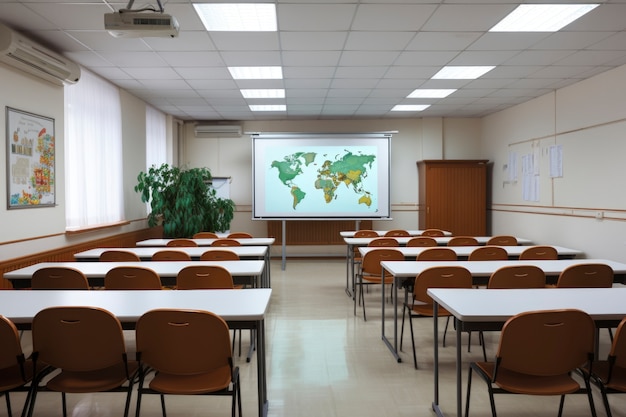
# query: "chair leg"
{"points": [[590, 397], [605, 400], [64, 402], [561, 402], [163, 405], [469, 389], [402, 328], [8, 401], [413, 341], [445, 331]]}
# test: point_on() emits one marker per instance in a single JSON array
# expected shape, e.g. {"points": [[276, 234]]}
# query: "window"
{"points": [[93, 153], [155, 137]]}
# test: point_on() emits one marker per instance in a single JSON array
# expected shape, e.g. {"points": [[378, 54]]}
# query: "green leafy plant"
{"points": [[182, 201]]}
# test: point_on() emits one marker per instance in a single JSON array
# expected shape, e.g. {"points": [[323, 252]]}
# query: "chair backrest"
{"points": [[433, 233], [547, 342], [182, 242], [225, 242], [588, 275], [384, 241], [132, 278], [11, 347], [502, 240], [539, 252], [440, 277], [78, 338], [240, 235], [184, 342], [397, 233], [206, 235], [366, 233], [219, 255], [421, 241], [207, 277], [59, 278], [618, 347], [118, 256], [488, 253], [171, 255], [373, 258], [437, 254], [463, 241], [517, 276]]}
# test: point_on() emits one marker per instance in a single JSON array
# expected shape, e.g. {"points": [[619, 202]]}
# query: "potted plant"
{"points": [[183, 201]]}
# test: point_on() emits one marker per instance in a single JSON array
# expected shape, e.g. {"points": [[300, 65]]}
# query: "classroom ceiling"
{"points": [[341, 59]]}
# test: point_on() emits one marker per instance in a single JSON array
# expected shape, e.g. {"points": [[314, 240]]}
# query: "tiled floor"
{"points": [[324, 361]]}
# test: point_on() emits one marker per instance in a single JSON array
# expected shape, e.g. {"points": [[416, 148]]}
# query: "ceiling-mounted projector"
{"points": [[130, 24]]}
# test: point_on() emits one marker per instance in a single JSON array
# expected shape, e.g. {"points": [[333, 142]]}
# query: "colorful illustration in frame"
{"points": [[30, 160]]}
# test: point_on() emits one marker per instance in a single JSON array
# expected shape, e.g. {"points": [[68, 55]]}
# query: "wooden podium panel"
{"points": [[313, 232]]}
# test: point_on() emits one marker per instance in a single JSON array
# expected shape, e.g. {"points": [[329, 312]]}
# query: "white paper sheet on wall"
{"points": [[530, 180], [512, 166], [556, 161]]}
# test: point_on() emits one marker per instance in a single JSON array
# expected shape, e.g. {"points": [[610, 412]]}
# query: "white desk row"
{"points": [[464, 251], [350, 233], [95, 271], [241, 309]]}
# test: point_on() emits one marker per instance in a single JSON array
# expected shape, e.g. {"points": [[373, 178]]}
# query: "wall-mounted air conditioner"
{"points": [[22, 53], [217, 131]]}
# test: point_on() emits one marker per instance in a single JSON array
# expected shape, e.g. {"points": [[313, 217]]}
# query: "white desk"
{"points": [[145, 253], [350, 233], [242, 309], [480, 270], [95, 271], [253, 241], [464, 251], [481, 309]]}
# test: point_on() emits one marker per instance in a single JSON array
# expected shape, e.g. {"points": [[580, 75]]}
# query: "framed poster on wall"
{"points": [[30, 160]]}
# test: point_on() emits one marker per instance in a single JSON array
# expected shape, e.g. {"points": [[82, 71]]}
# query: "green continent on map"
{"points": [[346, 168]]}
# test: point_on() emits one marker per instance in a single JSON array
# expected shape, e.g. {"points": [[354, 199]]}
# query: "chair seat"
{"points": [[618, 377], [11, 377], [527, 384], [100, 380], [203, 383]]}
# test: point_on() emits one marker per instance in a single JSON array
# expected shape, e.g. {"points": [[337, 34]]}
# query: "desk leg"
{"points": [[459, 365], [392, 347], [350, 271], [261, 369], [436, 408]]}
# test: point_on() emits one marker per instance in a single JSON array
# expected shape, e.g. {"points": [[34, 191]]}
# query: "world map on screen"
{"points": [[325, 177]]}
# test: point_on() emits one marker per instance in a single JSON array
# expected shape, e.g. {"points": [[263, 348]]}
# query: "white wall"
{"points": [[588, 119]]}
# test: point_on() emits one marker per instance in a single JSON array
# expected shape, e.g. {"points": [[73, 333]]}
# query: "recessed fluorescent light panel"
{"points": [[542, 17], [256, 73], [237, 17], [263, 93], [431, 93], [268, 107], [462, 73], [410, 107]]}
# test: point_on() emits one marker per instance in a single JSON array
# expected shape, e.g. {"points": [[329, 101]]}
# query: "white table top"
{"points": [[466, 250], [482, 305], [406, 269], [146, 252], [254, 241], [350, 233], [99, 269], [442, 241], [128, 306]]}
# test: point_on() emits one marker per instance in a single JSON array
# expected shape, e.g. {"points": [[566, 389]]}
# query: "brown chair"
{"points": [[517, 276], [366, 233], [587, 275], [463, 241], [219, 255], [421, 241], [422, 304], [132, 278], [397, 233], [59, 278], [226, 242], [437, 254], [371, 271], [488, 253], [118, 256], [15, 370], [240, 235], [537, 354], [171, 255], [204, 277], [502, 240], [610, 375], [535, 253], [384, 241], [86, 346], [189, 352], [181, 242], [206, 235], [433, 233]]}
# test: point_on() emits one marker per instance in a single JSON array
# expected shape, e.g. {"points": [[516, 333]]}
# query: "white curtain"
{"points": [[93, 153], [156, 141]]}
